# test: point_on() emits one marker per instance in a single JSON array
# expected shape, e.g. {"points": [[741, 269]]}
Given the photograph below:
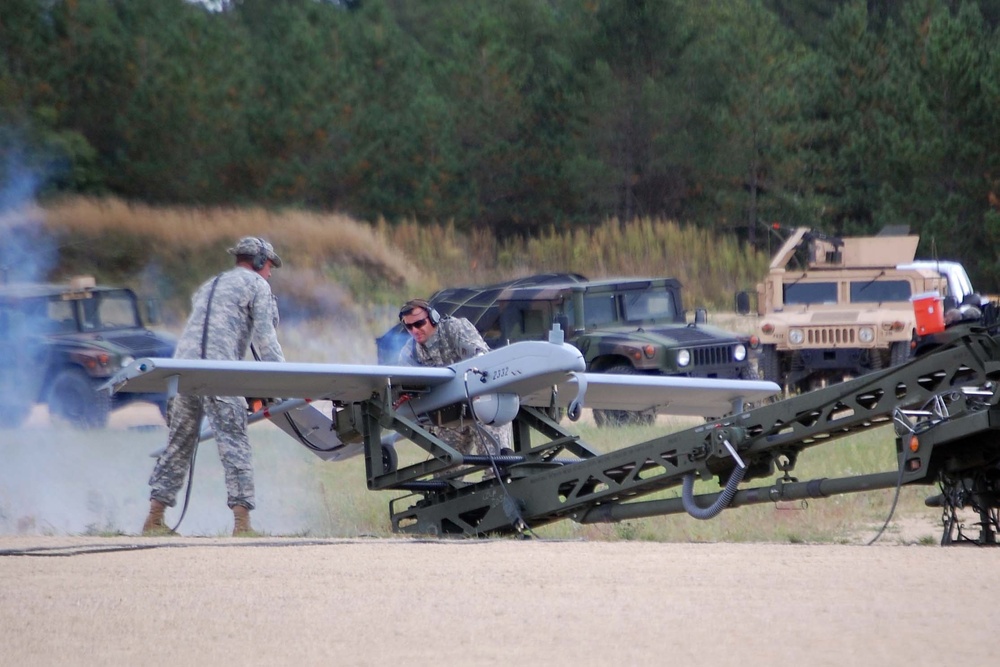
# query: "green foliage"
{"points": [[506, 88], [396, 160], [516, 117], [909, 137], [34, 140], [945, 140], [755, 67], [630, 161]]}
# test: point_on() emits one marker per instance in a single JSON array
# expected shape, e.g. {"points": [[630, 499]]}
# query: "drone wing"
{"points": [[347, 383], [701, 397]]}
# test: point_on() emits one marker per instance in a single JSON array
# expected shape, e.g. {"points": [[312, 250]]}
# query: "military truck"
{"points": [[833, 308], [627, 325], [59, 343]]}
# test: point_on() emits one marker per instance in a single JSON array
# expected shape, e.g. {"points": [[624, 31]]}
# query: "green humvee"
{"points": [[626, 325], [60, 343]]}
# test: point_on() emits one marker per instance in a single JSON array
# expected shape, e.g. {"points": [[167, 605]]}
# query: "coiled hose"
{"points": [[722, 502]]}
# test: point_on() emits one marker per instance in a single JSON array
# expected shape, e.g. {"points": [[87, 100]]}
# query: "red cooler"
{"points": [[928, 309]]}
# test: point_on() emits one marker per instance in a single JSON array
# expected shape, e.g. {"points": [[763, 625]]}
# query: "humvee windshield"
{"points": [[109, 310], [642, 306], [810, 293], [866, 291], [101, 312], [532, 319], [599, 310]]}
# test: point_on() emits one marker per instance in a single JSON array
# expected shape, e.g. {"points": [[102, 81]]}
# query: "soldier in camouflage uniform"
{"points": [[229, 312], [442, 341]]}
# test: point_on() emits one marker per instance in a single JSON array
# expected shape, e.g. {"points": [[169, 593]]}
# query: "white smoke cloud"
{"points": [[60, 481], [27, 252]]}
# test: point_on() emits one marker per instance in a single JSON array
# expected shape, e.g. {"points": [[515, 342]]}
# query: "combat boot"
{"points": [[155, 524], [242, 527]]}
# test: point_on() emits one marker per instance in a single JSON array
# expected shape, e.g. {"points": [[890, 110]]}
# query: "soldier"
{"points": [[442, 341], [234, 309]]}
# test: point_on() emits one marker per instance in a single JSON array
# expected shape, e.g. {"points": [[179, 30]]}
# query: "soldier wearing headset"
{"points": [[442, 341], [229, 313]]}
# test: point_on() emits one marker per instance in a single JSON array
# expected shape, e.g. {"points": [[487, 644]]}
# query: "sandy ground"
{"points": [[532, 602], [68, 598]]}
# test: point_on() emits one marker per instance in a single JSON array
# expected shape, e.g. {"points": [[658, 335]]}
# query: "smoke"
{"points": [[17, 184], [27, 251], [55, 480], [58, 481]]}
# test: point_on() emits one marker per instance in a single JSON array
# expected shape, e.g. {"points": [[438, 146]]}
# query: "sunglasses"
{"points": [[415, 325]]}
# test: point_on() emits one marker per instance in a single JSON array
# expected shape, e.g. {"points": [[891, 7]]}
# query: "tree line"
{"points": [[522, 115]]}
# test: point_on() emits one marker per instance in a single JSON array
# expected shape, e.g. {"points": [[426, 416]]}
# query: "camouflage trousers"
{"points": [[468, 440], [228, 418]]}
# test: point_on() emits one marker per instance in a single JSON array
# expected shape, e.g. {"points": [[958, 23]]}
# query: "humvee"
{"points": [[832, 308], [627, 325], [59, 343]]}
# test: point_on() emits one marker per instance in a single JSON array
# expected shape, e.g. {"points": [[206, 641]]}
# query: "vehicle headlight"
{"points": [[683, 357], [795, 336], [740, 352], [866, 335]]}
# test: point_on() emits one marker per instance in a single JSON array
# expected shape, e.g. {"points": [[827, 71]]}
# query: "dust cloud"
{"points": [[56, 480]]}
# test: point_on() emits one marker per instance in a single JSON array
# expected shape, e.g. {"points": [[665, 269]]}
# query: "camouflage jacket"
{"points": [[454, 339], [243, 310]]}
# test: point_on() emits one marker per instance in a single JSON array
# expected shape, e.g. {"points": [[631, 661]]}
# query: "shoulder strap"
{"points": [[208, 312]]}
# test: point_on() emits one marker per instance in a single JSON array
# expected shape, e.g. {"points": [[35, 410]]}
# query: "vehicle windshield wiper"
{"points": [[872, 281]]}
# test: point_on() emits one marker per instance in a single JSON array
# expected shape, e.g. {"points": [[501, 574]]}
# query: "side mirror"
{"points": [[742, 303], [700, 316]]}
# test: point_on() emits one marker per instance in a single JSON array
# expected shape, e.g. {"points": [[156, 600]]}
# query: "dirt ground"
{"points": [[534, 602], [70, 598]]}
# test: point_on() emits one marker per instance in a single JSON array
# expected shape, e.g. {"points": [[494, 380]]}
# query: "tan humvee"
{"points": [[833, 308]]}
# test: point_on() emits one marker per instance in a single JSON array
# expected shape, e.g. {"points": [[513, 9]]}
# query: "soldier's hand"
{"points": [[258, 404]]}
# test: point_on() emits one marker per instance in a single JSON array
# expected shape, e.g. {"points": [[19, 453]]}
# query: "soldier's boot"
{"points": [[155, 524], [242, 527]]}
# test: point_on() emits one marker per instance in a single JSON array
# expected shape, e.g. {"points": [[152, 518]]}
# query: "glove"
{"points": [[258, 404]]}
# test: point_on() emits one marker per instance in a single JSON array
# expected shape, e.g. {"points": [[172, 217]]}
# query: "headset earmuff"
{"points": [[260, 259], [433, 316]]}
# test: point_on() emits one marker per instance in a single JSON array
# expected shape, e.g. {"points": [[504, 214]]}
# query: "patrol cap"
{"points": [[253, 246]]}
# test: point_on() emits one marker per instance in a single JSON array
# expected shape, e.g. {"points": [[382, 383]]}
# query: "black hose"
{"points": [[721, 503], [187, 492]]}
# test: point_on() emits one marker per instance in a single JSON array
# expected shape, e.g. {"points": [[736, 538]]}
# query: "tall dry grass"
{"points": [[120, 240], [712, 268], [314, 239], [335, 261]]}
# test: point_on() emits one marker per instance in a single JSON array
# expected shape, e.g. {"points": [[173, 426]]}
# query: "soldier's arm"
{"points": [[264, 310], [406, 357], [468, 338]]}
